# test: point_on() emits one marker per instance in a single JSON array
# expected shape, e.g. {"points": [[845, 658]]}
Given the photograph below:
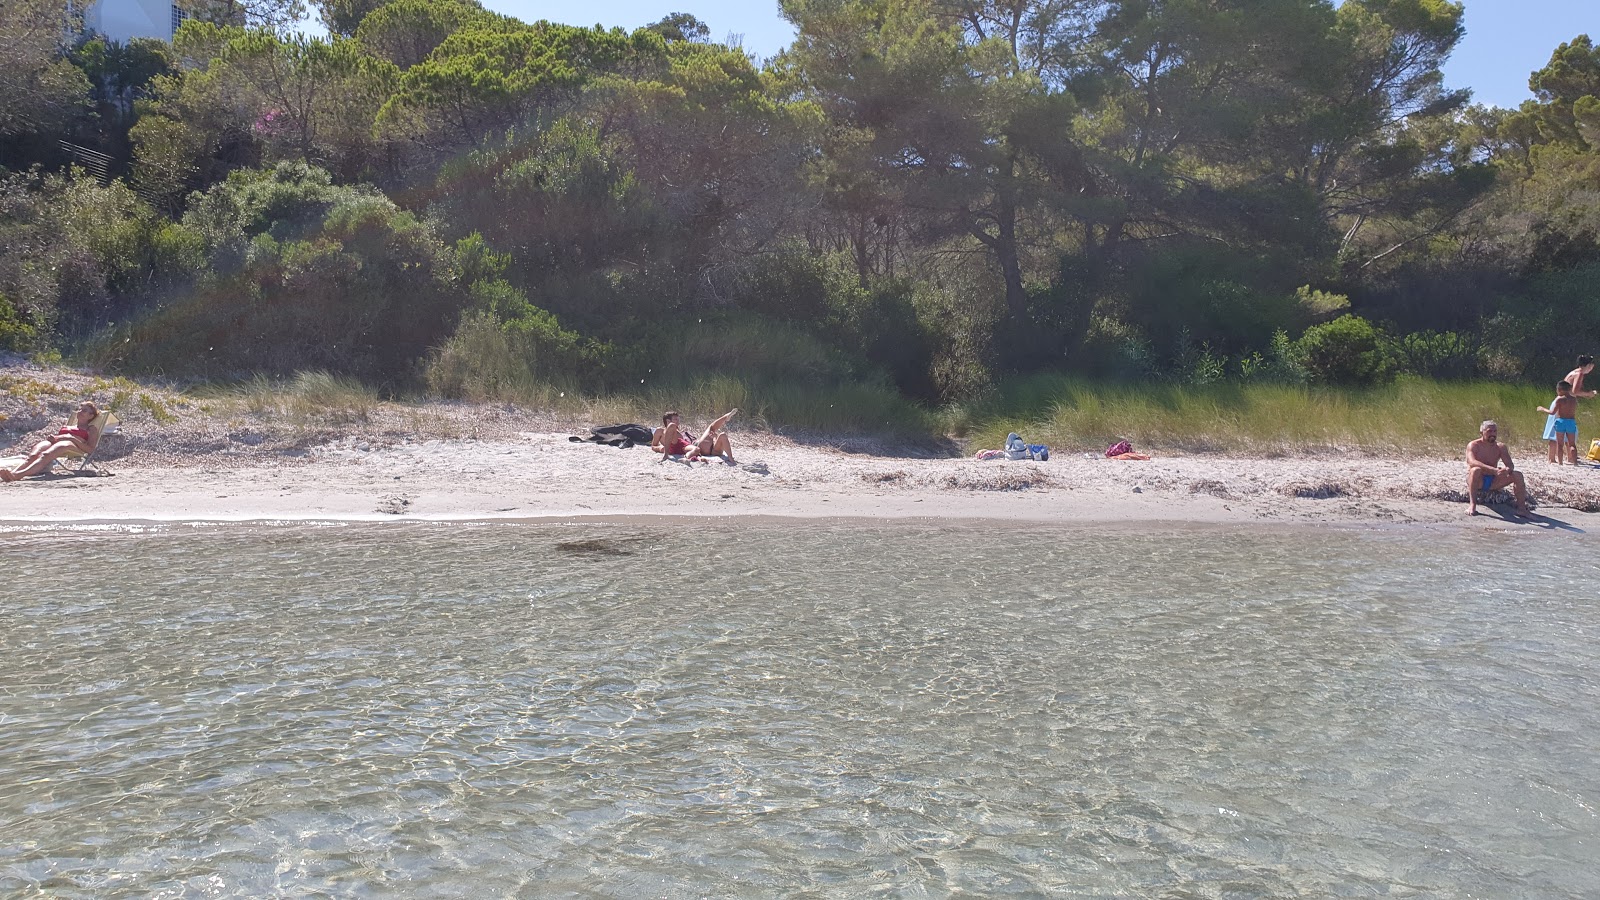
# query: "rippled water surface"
{"points": [[769, 710]]}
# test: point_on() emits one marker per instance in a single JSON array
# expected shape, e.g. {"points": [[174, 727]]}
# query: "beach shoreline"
{"points": [[544, 477], [233, 458]]}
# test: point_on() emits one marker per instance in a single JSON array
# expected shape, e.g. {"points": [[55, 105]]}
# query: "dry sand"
{"points": [[543, 475], [453, 462]]}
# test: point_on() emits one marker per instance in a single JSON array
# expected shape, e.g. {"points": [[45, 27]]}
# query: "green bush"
{"points": [[570, 208], [1539, 331], [757, 349], [522, 360], [287, 202], [1112, 348], [363, 291], [1346, 351], [1448, 354], [960, 307], [1281, 363], [798, 286], [881, 327], [16, 333], [1227, 300], [74, 252]]}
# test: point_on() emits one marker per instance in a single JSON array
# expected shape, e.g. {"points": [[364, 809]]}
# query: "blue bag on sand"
{"points": [[1039, 452]]}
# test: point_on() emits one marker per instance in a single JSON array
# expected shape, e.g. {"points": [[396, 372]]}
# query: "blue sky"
{"points": [[1506, 39]]}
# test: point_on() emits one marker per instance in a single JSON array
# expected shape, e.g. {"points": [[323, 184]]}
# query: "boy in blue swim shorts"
{"points": [[1563, 424], [1574, 378]]}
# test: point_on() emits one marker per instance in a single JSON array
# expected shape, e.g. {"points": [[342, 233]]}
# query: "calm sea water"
{"points": [[797, 709]]}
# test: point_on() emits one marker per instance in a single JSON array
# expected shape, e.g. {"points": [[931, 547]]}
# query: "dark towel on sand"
{"points": [[623, 436]]}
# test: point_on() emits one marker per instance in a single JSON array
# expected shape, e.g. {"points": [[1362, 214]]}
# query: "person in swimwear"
{"points": [[671, 439], [1574, 378], [75, 435], [1564, 409], [1489, 468]]}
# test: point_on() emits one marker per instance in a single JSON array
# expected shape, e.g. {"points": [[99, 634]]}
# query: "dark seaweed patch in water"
{"points": [[593, 548]]}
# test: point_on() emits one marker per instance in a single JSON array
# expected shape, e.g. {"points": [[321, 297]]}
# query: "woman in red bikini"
{"points": [[75, 435], [672, 440]]}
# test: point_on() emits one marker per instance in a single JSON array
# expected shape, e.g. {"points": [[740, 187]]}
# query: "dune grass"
{"points": [[853, 409], [309, 398], [1412, 416], [312, 399]]}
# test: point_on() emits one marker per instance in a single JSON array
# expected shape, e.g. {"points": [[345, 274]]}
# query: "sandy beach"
{"points": [[543, 475], [183, 459]]}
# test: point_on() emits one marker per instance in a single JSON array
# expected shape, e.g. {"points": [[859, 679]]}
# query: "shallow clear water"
{"points": [[780, 709]]}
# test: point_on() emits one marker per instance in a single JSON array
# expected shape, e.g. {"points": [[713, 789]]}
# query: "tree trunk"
{"points": [[863, 252], [1005, 250]]}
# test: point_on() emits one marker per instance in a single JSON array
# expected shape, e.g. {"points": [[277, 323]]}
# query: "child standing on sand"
{"points": [[1574, 378], [1564, 411]]}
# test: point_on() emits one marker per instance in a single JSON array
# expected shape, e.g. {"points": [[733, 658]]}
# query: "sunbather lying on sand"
{"points": [[671, 439]]}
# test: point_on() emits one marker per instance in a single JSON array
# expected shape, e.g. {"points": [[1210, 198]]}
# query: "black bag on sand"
{"points": [[623, 436]]}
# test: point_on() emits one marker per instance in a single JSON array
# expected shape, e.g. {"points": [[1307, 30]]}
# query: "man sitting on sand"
{"points": [[1489, 468], [672, 440]]}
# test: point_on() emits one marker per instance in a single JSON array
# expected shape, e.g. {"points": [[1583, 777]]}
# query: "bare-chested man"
{"points": [[1489, 468]]}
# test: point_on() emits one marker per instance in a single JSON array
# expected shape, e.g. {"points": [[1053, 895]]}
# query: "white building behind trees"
{"points": [[124, 20]]}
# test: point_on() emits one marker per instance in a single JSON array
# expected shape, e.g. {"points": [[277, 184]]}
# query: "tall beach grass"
{"points": [[1413, 416], [844, 409], [309, 398]]}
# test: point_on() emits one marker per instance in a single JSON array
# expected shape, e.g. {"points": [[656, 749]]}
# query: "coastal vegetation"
{"points": [[1265, 225]]}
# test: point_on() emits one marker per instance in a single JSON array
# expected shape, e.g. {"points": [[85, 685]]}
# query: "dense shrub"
{"points": [[881, 327], [521, 360], [1218, 299], [566, 210], [1347, 351], [285, 203], [1552, 320], [753, 347], [1112, 348], [16, 333], [798, 286], [959, 308], [1447, 354], [74, 252], [879, 324], [1281, 363], [364, 290]]}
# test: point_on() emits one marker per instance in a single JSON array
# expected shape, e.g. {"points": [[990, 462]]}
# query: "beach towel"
{"points": [[989, 454], [623, 436]]}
